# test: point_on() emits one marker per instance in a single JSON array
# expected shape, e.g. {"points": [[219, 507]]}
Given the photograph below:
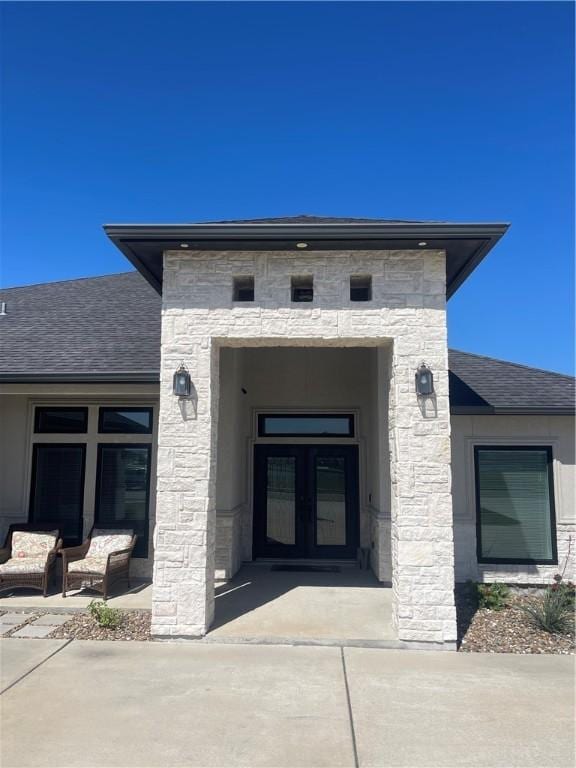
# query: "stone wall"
{"points": [[228, 543], [406, 315]]}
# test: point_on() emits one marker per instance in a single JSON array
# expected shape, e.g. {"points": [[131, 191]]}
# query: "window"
{"points": [[61, 420], [302, 288], [125, 421], [305, 425], [57, 489], [243, 288], [122, 490], [361, 288], [515, 505]]}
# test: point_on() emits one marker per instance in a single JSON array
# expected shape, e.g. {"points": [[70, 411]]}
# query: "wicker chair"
{"points": [[29, 555], [102, 560]]}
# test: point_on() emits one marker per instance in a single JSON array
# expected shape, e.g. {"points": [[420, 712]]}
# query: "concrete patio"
{"points": [[348, 606], [72, 704], [344, 607]]}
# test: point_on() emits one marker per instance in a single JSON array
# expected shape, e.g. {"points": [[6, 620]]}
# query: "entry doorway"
{"points": [[306, 501]]}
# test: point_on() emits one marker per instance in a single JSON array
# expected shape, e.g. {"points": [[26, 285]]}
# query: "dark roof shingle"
{"points": [[95, 325], [486, 384], [306, 218]]}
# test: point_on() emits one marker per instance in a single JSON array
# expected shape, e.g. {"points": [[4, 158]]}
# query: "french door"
{"points": [[306, 501]]}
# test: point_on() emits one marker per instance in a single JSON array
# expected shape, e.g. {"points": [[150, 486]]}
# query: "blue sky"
{"points": [[171, 112]]}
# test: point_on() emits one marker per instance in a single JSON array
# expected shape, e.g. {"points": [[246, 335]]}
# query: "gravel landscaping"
{"points": [[506, 631], [480, 630], [134, 625]]}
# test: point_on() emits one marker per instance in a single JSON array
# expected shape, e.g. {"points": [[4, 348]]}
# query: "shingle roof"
{"points": [[109, 327], [307, 218], [97, 325], [486, 384]]}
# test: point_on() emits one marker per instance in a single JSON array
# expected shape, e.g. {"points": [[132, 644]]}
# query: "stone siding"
{"points": [[406, 315], [228, 543]]}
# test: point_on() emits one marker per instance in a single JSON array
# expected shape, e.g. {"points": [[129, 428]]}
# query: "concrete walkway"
{"points": [[139, 597], [124, 705]]}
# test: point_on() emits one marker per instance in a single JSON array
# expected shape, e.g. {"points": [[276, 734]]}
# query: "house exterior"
{"points": [[302, 435]]}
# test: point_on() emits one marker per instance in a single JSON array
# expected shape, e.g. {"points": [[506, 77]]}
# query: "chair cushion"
{"points": [[88, 565], [102, 541], [34, 544], [23, 565]]}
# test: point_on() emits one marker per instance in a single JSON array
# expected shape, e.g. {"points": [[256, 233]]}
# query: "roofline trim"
{"points": [[115, 377], [489, 410], [440, 229]]}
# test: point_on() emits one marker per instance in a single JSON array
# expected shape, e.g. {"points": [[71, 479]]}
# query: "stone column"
{"points": [[185, 533], [422, 529]]}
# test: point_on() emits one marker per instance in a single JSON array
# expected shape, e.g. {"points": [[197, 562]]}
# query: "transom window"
{"points": [[515, 505], [56, 420], [305, 425], [125, 421]]}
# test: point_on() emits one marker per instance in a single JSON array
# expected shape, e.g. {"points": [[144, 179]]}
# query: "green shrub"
{"points": [[554, 610], [492, 596], [105, 616]]}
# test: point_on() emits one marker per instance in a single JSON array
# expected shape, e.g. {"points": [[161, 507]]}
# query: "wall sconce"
{"points": [[424, 381], [181, 383]]}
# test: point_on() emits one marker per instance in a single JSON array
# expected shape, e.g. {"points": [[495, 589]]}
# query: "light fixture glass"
{"points": [[181, 382], [424, 381]]}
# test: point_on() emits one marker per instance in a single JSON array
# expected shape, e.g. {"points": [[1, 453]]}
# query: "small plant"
{"points": [[105, 616], [554, 610], [566, 591], [492, 596]]}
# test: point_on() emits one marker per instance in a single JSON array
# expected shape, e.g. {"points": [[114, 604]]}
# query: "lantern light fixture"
{"points": [[181, 382], [424, 381]]}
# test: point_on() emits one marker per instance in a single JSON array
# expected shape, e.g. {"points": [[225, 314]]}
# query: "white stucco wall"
{"points": [[13, 440], [555, 431]]}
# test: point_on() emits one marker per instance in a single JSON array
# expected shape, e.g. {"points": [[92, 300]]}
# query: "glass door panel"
{"points": [[281, 500], [330, 501], [305, 501]]}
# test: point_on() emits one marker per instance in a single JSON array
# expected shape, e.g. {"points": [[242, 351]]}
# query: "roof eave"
{"points": [[464, 410], [111, 377], [125, 236]]}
